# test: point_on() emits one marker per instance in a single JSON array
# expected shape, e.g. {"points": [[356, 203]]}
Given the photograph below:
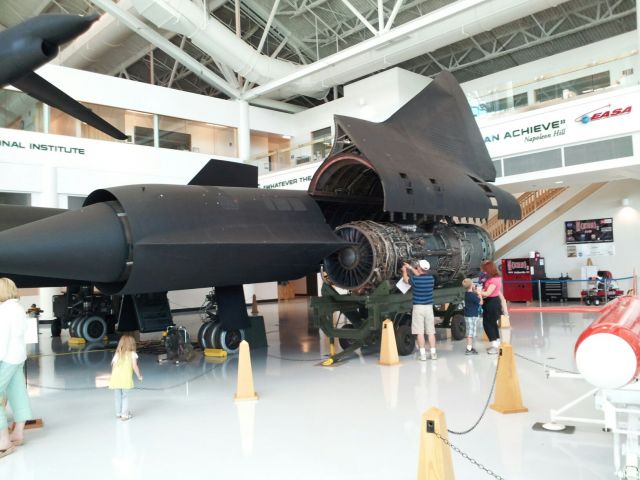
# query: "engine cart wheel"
{"points": [[596, 301], [56, 327], [230, 339], [458, 327], [405, 341], [93, 328], [346, 342]]}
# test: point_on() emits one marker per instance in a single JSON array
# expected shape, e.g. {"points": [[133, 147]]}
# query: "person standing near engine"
{"points": [[422, 320]]}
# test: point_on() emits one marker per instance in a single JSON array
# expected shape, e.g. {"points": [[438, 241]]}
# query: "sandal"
{"points": [[7, 451]]}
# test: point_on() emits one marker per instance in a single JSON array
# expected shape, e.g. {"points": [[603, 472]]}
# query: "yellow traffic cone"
{"points": [[507, 398], [388, 346], [435, 456], [244, 390]]}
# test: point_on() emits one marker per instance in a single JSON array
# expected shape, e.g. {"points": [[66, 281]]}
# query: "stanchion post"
{"points": [[539, 293], [388, 346], [507, 398], [244, 390], [434, 461]]}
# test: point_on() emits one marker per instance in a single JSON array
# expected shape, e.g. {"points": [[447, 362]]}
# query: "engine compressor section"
{"points": [[378, 250]]}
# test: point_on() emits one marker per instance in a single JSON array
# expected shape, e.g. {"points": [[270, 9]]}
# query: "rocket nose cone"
{"points": [[606, 361], [87, 244]]}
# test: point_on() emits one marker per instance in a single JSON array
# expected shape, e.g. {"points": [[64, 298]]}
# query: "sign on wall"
{"points": [[589, 231], [584, 250]]}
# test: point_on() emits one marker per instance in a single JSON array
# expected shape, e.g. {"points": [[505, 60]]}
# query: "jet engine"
{"points": [[377, 251]]}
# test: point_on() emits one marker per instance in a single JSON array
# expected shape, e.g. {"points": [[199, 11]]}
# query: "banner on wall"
{"points": [[588, 231], [583, 250]]}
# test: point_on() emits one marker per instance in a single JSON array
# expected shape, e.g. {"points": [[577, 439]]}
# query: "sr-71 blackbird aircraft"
{"points": [[386, 193], [34, 42]]}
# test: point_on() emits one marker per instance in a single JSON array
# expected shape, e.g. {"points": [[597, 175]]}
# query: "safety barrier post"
{"points": [[254, 305], [388, 346], [244, 390], [434, 461], [507, 398], [539, 293]]}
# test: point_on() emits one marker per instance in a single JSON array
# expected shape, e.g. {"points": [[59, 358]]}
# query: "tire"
{"points": [[346, 342], [404, 340], [56, 327], [203, 332], [458, 327], [230, 339], [212, 339], [74, 327], [587, 301], [93, 328], [596, 301]]}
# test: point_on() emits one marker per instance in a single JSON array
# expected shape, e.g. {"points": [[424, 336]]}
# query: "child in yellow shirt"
{"points": [[123, 365]]}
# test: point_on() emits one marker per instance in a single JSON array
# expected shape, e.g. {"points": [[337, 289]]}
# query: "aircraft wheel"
{"points": [[75, 327], [230, 339], [56, 327], [458, 327], [405, 341], [213, 336], [93, 328], [203, 333]]}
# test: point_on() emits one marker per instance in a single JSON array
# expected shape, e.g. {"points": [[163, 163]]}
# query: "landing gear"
{"points": [[212, 335], [56, 327], [93, 328]]}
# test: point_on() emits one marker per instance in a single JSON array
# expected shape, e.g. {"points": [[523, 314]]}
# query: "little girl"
{"points": [[124, 363]]}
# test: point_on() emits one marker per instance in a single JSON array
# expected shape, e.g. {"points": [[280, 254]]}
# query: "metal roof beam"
{"points": [[165, 45]]}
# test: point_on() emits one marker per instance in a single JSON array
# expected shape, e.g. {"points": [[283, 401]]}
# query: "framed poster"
{"points": [[589, 231]]}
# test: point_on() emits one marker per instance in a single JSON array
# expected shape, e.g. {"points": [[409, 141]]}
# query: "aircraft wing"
{"points": [[37, 87]]}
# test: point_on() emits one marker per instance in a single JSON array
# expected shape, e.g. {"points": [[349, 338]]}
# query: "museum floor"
{"points": [[354, 421]]}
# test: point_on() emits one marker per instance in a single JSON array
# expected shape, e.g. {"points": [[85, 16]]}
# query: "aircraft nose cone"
{"points": [[79, 245]]}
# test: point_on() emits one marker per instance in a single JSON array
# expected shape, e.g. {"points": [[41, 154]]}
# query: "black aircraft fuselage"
{"points": [[389, 189]]}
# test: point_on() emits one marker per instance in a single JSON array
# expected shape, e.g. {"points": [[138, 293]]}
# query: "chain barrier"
{"points": [[545, 365], [470, 459], [486, 405]]}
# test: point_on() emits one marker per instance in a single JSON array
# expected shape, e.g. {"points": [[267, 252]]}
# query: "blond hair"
{"points": [[8, 289], [126, 346], [467, 282]]}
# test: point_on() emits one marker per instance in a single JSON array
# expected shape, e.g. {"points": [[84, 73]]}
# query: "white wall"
{"points": [[604, 203], [117, 92]]}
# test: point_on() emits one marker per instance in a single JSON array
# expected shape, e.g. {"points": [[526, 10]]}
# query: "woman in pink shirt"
{"points": [[493, 304]]}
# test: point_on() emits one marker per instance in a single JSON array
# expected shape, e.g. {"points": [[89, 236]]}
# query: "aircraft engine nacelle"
{"points": [[26, 54], [607, 353], [377, 251]]}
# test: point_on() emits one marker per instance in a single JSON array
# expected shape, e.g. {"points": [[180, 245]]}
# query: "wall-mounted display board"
{"points": [[589, 231]]}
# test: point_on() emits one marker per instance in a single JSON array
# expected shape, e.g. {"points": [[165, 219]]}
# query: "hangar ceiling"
{"points": [[305, 31]]}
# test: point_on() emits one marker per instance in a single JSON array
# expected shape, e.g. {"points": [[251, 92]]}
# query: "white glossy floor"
{"points": [[354, 421]]}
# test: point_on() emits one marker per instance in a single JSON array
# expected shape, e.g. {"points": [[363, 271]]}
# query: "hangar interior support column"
{"points": [[244, 132]]}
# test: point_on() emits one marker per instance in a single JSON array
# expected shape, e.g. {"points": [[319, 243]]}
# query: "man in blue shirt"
{"points": [[422, 320]]}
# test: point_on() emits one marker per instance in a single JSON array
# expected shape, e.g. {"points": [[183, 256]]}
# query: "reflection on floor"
{"points": [[354, 421]]}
